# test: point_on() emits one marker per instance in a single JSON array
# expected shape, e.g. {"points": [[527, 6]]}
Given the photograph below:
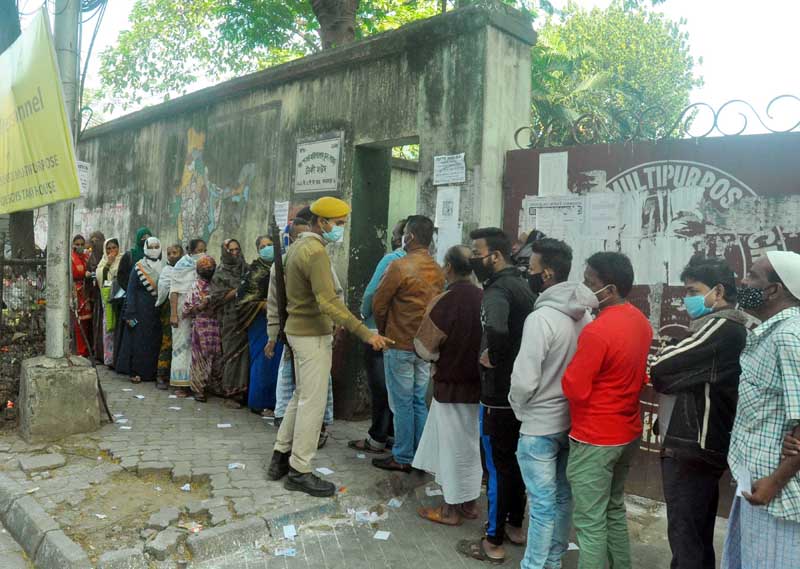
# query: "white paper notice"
{"points": [[281, 211], [446, 237], [382, 535], [553, 176], [602, 214], [450, 169], [324, 471], [448, 202], [289, 532], [743, 481], [84, 177], [554, 216]]}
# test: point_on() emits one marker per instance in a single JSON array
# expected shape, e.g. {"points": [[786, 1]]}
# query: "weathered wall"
{"points": [[211, 164]]}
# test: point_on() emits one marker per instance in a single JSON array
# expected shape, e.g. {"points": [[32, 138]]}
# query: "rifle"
{"points": [[280, 287]]}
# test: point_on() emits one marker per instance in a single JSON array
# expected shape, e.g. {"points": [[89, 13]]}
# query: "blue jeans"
{"points": [[543, 462], [407, 378], [285, 389]]}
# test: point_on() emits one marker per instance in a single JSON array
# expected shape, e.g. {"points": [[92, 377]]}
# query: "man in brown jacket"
{"points": [[399, 305]]}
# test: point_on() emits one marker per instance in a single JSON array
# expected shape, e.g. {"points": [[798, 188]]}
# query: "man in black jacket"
{"points": [[699, 380], [507, 301]]}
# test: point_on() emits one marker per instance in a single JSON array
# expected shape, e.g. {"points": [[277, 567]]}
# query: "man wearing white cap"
{"points": [[764, 524]]}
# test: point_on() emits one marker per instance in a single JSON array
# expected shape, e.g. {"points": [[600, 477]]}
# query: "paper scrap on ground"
{"points": [[395, 503], [174, 408], [32, 490], [223, 425], [127, 389], [433, 491], [236, 466], [367, 517], [186, 487], [122, 421], [173, 396], [101, 516], [572, 546], [139, 396], [744, 482], [361, 455], [382, 535], [324, 471], [289, 532], [118, 415], [285, 552], [124, 428], [158, 488]]}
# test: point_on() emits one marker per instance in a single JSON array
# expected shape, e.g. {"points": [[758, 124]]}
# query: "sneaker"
{"points": [[309, 483], [279, 465]]}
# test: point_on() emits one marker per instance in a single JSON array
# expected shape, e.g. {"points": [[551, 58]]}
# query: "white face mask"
{"points": [[153, 254], [585, 296], [599, 291]]}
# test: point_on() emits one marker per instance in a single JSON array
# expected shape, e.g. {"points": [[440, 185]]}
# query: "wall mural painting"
{"points": [[201, 198]]}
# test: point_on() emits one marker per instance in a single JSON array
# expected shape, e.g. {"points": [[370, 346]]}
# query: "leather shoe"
{"points": [[309, 483], [279, 465]]}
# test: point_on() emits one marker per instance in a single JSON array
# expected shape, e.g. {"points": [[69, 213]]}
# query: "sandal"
{"points": [[389, 463], [465, 513], [200, 398], [136, 379], [516, 542], [363, 445], [437, 515], [182, 393], [474, 550]]}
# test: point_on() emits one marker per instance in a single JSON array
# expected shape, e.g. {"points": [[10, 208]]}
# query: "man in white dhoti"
{"points": [[450, 337]]}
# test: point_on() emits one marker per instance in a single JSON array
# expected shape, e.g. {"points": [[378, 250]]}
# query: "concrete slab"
{"points": [[132, 558], [225, 539], [41, 462], [10, 490], [57, 551], [164, 544], [28, 523], [163, 518]]}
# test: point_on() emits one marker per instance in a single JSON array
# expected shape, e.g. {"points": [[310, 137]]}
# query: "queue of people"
{"points": [[536, 380]]}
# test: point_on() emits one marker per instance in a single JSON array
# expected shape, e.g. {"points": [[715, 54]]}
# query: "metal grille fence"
{"points": [[22, 289]]}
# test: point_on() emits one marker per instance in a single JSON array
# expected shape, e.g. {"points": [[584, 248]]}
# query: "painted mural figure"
{"points": [[200, 201]]}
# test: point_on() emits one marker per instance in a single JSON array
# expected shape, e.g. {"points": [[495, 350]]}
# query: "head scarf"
{"points": [[228, 275], [137, 251], [149, 270], [113, 267], [78, 236], [97, 239], [206, 262]]}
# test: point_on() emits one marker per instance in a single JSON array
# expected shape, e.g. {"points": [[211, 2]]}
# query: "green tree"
{"points": [[623, 72]]}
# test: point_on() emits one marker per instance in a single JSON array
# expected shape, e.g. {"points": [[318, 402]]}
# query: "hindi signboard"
{"points": [[37, 157], [317, 165], [449, 169]]}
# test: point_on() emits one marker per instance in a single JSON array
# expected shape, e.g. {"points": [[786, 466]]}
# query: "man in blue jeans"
{"points": [[549, 339], [399, 304]]}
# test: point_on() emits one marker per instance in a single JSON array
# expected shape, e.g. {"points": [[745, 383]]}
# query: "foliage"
{"points": [[613, 68]]}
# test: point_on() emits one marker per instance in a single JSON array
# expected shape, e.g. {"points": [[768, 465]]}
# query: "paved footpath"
{"points": [[11, 554], [120, 488]]}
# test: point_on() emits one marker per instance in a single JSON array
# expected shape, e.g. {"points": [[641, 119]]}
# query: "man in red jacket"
{"points": [[602, 385]]}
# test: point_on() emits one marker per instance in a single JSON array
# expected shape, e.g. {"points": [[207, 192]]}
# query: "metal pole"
{"points": [[67, 28]]}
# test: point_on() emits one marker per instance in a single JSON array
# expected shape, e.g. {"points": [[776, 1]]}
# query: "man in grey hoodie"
{"points": [[549, 340]]}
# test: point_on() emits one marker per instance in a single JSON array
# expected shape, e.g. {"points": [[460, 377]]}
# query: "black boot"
{"points": [[279, 465], [309, 483]]}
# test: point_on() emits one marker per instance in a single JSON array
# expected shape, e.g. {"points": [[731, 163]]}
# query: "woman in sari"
{"points": [[82, 311], [206, 344], [105, 275], [129, 259], [142, 340], [181, 282], [96, 242], [235, 354], [252, 317], [174, 254]]}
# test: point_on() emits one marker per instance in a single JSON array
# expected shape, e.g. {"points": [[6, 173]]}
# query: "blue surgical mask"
{"points": [[335, 234], [696, 306], [267, 253]]}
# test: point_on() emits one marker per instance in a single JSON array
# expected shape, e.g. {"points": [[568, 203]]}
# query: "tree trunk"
{"points": [[337, 21], [21, 223]]}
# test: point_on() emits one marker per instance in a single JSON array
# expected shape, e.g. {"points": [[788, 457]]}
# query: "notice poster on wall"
{"points": [[553, 176], [602, 214], [84, 177], [448, 227], [317, 165], [281, 213], [553, 216], [449, 169]]}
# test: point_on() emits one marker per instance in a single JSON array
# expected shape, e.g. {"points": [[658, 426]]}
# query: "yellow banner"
{"points": [[37, 157]]}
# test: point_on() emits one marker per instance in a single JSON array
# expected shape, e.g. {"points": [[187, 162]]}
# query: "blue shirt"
{"points": [[366, 303]]}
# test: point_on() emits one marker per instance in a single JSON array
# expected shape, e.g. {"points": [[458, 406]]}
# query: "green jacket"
{"points": [[312, 302]]}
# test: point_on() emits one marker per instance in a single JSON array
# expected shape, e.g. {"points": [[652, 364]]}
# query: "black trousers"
{"points": [[506, 489], [382, 417], [691, 490]]}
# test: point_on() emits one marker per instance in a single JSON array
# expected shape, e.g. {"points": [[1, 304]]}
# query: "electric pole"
{"points": [[59, 215]]}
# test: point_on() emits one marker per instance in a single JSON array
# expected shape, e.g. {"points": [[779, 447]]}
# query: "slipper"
{"points": [[136, 379], [474, 550], [436, 515], [181, 393], [389, 463], [364, 446], [468, 514]]}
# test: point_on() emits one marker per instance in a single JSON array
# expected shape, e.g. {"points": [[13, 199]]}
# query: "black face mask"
{"points": [[206, 274], [750, 298], [482, 272], [536, 282]]}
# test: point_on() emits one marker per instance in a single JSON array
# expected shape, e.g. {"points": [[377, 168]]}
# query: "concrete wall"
{"points": [[212, 163]]}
